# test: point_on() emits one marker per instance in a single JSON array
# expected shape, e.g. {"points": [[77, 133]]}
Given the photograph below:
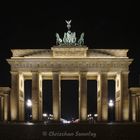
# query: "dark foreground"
{"points": [[108, 131]]}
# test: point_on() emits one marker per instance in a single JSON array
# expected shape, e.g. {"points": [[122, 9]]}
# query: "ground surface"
{"points": [[108, 131]]}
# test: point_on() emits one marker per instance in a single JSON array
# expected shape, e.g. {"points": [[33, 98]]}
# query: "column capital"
{"points": [[14, 72], [133, 94], [34, 72], [102, 72], [125, 72], [122, 72], [138, 94], [82, 72], [55, 72], [6, 94], [1, 94]]}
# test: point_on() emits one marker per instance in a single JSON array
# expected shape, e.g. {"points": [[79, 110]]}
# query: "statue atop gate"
{"points": [[69, 37]]}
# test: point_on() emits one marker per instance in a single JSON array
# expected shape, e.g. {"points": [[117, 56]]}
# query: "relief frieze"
{"points": [[65, 65]]}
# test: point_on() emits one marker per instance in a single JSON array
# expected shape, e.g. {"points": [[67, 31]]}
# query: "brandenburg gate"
{"points": [[70, 62], [70, 59]]}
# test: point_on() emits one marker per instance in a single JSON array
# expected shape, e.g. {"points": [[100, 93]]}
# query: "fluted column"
{"points": [[17, 96], [21, 97], [133, 100], [118, 98], [36, 98], [40, 98], [56, 96], [125, 96], [14, 96], [139, 108], [6, 107], [102, 97], [82, 96], [122, 97], [2, 106]]}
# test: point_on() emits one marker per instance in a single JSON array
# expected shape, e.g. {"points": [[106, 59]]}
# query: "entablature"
{"points": [[69, 52], [68, 58]]}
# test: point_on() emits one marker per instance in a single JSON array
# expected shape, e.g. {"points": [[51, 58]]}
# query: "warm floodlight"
{"points": [[29, 103], [89, 115], [45, 115], [111, 103], [95, 115]]}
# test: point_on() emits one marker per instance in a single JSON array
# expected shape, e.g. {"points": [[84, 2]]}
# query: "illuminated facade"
{"points": [[70, 59], [70, 62]]}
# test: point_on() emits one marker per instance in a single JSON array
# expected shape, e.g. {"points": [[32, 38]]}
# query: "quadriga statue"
{"points": [[81, 39]]}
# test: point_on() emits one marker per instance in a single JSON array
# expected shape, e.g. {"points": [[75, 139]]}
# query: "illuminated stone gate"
{"points": [[70, 62], [70, 59]]}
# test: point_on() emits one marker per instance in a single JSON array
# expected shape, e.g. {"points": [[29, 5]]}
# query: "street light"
{"points": [[111, 103], [89, 115], [45, 118], [45, 115], [50, 117], [90, 118], [95, 115], [29, 103]]}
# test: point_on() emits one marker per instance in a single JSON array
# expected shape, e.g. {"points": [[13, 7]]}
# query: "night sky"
{"points": [[106, 24]]}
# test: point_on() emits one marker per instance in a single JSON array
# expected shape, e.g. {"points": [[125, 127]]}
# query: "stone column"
{"points": [[82, 96], [40, 98], [125, 96], [138, 108], [122, 97], [14, 96], [56, 96], [102, 97], [2, 108], [118, 98], [21, 97], [36, 97], [6, 106], [133, 100], [17, 96]]}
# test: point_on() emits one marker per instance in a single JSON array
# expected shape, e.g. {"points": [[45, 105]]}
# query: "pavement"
{"points": [[55, 131]]}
